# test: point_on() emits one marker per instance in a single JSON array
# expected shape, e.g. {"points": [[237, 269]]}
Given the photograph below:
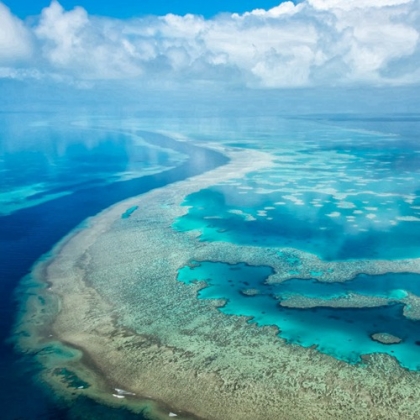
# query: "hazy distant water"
{"points": [[48, 166]]}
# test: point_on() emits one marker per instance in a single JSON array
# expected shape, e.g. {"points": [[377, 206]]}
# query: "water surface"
{"points": [[341, 188]]}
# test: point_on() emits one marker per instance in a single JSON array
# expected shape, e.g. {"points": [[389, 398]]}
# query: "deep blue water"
{"points": [[87, 175], [342, 333]]}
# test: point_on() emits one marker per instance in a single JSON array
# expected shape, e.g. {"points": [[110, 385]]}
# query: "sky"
{"points": [[256, 44], [130, 8]]}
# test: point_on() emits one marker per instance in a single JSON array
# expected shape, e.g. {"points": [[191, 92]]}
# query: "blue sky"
{"points": [[269, 45], [129, 8]]}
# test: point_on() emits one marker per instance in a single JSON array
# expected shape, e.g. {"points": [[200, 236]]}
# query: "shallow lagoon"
{"points": [[351, 195], [346, 194], [344, 333]]}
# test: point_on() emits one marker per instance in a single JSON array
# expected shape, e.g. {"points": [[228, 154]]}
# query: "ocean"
{"points": [[344, 187]]}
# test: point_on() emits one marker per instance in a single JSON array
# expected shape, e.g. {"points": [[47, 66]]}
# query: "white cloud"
{"points": [[314, 42], [89, 48], [15, 42], [286, 8], [354, 4]]}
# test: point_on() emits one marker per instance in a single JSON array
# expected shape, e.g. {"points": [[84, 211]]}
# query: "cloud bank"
{"points": [[311, 43]]}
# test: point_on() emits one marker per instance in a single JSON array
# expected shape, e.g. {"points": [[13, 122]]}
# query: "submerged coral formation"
{"points": [[386, 338], [121, 320]]}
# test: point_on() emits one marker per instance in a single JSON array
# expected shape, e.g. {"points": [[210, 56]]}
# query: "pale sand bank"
{"points": [[115, 297]]}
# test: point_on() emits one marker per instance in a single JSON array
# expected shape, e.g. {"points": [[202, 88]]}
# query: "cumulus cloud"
{"points": [[311, 43], [15, 40], [90, 48]]}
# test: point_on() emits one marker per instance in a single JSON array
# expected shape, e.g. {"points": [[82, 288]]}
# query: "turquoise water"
{"points": [[50, 171], [346, 189], [342, 333], [338, 193], [129, 212]]}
